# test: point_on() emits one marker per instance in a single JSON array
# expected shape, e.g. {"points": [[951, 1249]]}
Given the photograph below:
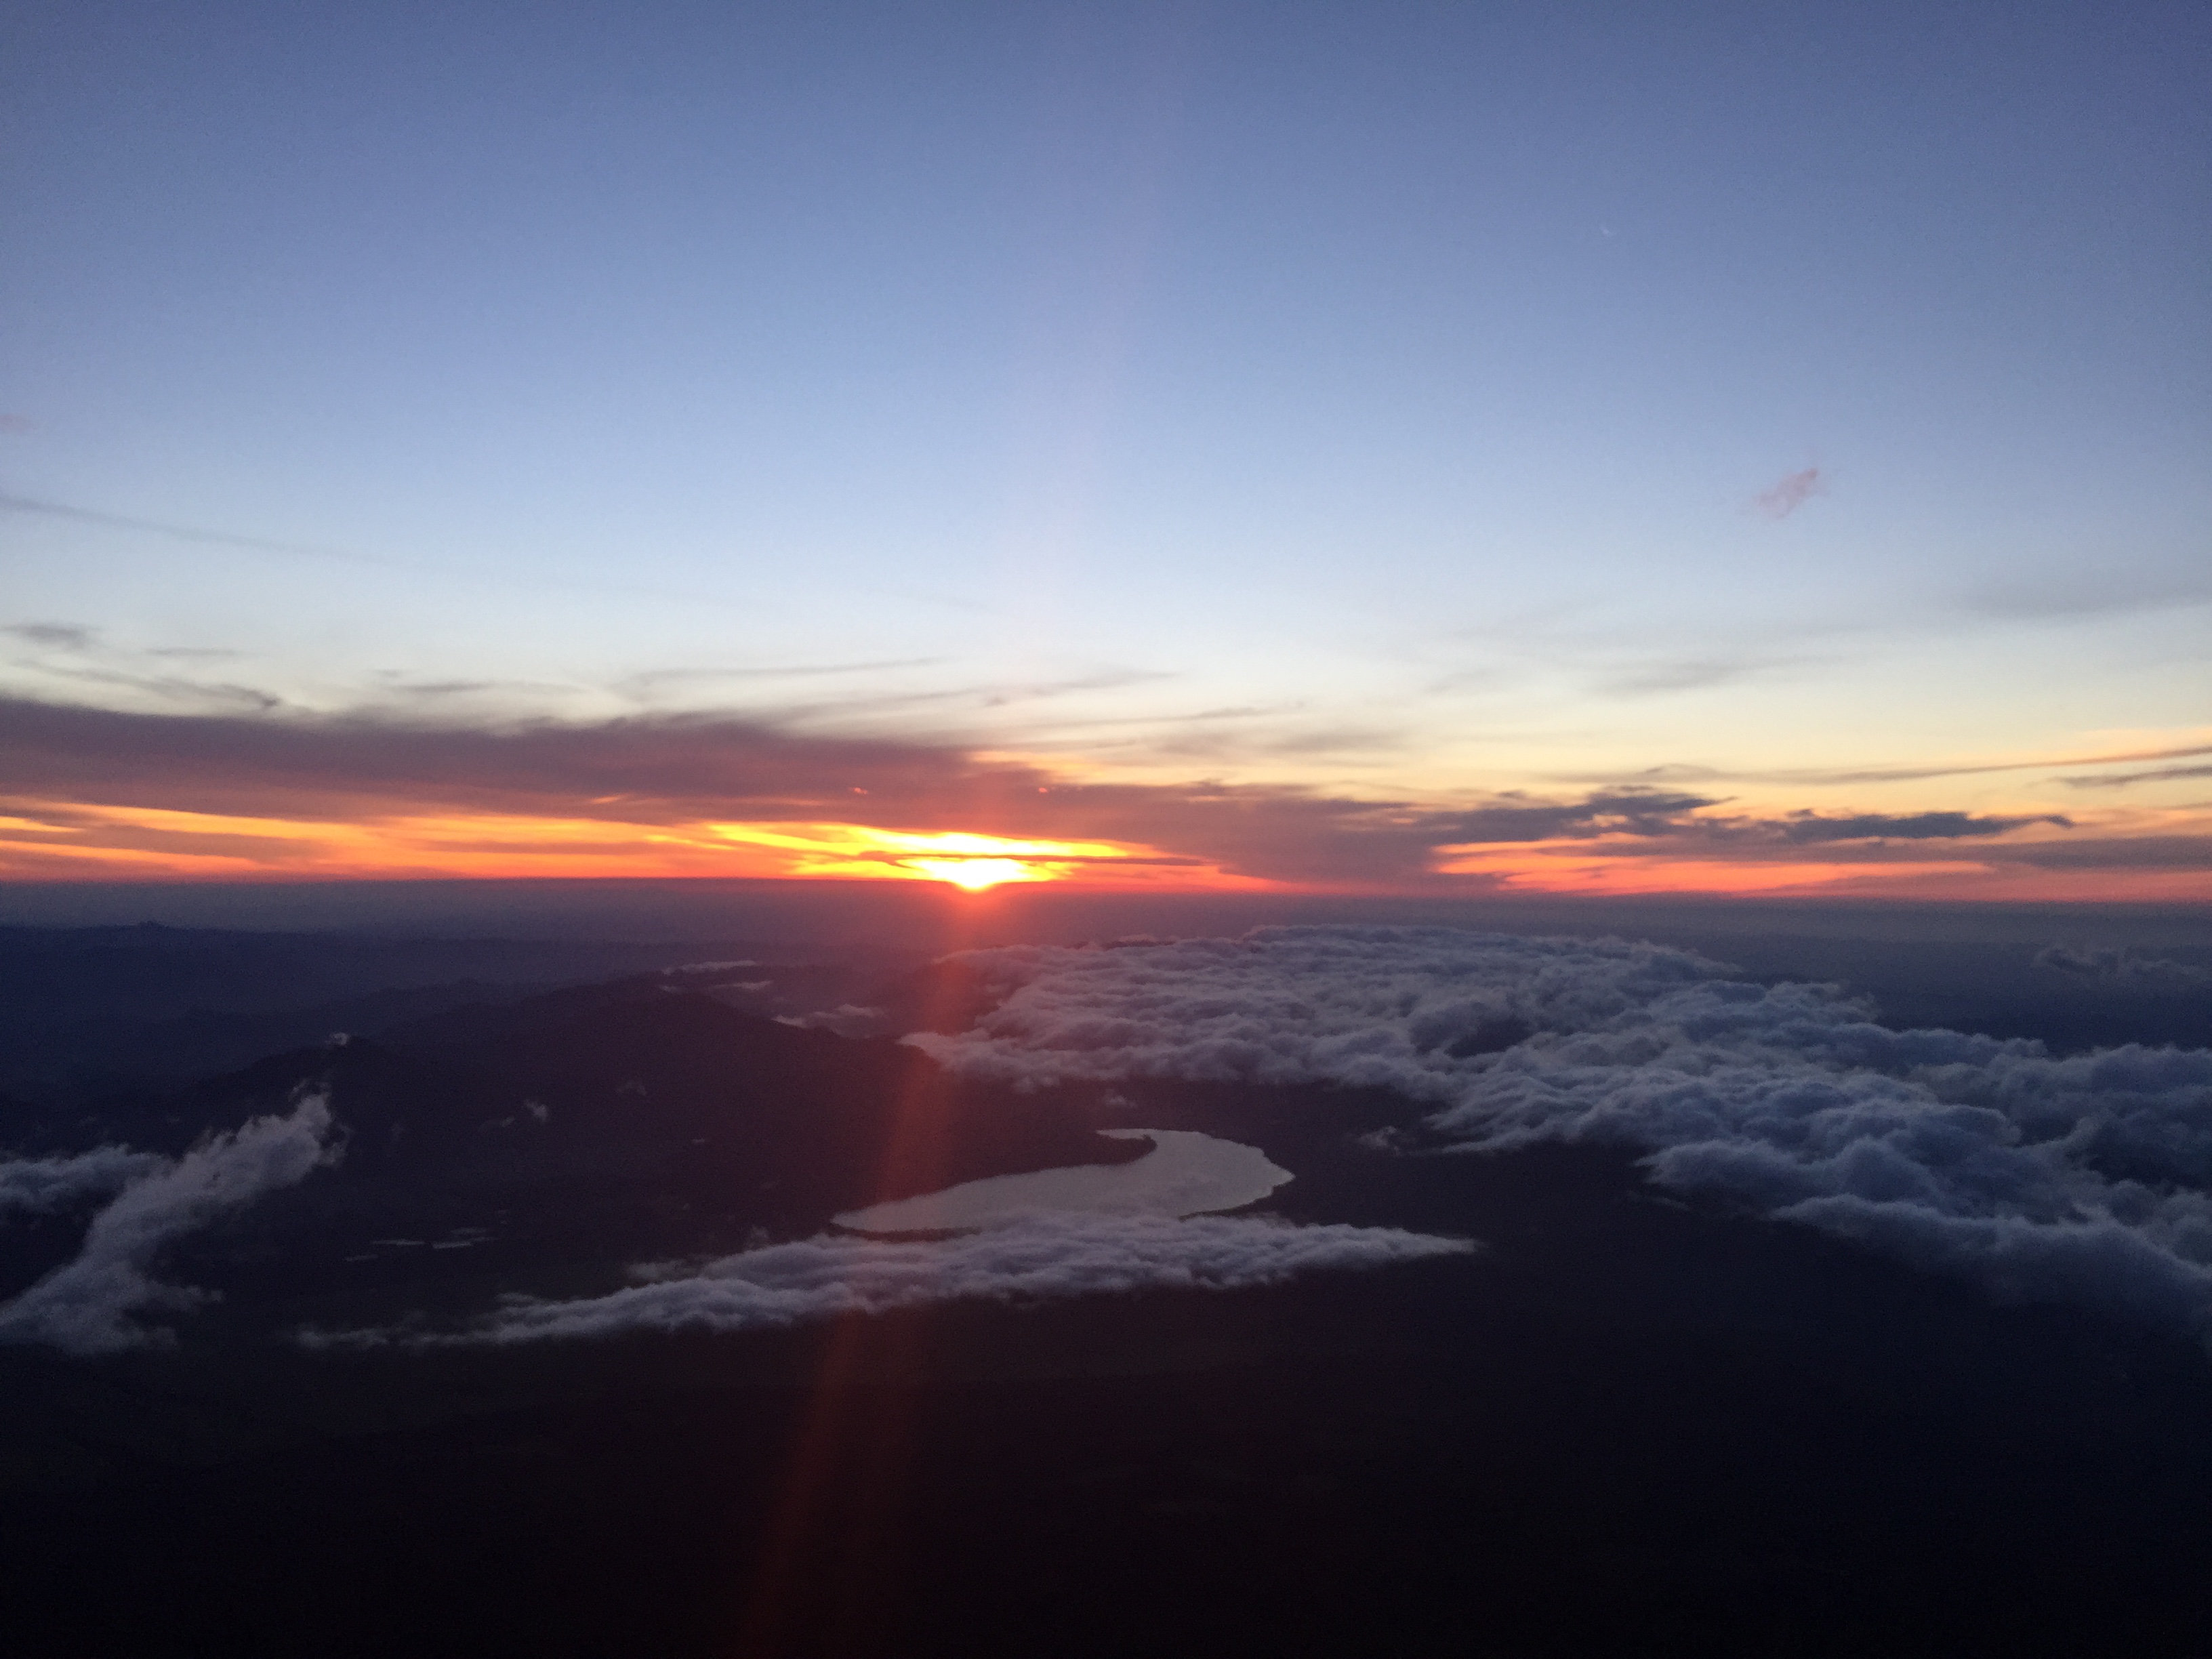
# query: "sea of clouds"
{"points": [[2081, 1178]]}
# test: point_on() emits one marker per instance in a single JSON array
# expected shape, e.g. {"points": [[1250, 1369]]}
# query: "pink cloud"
{"points": [[1792, 493]]}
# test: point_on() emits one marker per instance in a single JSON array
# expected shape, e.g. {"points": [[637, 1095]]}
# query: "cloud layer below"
{"points": [[90, 1305], [36, 1185], [1038, 1257], [2081, 1179]]}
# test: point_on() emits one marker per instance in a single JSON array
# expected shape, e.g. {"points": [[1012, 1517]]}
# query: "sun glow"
{"points": [[45, 840], [965, 860], [974, 874], [75, 841]]}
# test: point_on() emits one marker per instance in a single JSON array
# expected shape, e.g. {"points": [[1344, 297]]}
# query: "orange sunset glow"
{"points": [[55, 842], [48, 840]]}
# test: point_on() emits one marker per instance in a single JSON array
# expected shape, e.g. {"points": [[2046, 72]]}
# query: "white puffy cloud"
{"points": [[2081, 1178], [1043, 1256], [87, 1305], [36, 1184]]}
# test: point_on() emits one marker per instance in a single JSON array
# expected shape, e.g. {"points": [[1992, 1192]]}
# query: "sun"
{"points": [[974, 863], [974, 875]]}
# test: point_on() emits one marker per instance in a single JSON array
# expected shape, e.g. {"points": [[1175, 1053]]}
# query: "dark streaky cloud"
{"points": [[1680, 773], [2116, 852], [1658, 814], [678, 768], [2122, 964], [1799, 829], [691, 769], [61, 636], [1516, 817], [2163, 775]]}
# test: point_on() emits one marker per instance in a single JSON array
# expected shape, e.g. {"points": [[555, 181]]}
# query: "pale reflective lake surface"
{"points": [[1184, 1173]]}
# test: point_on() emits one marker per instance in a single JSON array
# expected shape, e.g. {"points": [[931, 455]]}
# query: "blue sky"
{"points": [[1369, 399]]}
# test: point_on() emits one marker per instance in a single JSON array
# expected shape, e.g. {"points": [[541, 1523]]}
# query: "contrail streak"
{"points": [[13, 503]]}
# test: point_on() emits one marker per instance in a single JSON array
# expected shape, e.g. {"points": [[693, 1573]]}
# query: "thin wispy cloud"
{"points": [[70, 657], [1690, 674], [1677, 772], [952, 703], [658, 680], [184, 533], [56, 636], [32, 507], [2161, 775], [198, 695], [2094, 590]]}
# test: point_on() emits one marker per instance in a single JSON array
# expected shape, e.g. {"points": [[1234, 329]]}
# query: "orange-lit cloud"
{"points": [[55, 840], [2000, 874], [102, 795]]}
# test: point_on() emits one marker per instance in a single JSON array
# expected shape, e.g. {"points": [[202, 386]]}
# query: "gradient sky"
{"points": [[1765, 448]]}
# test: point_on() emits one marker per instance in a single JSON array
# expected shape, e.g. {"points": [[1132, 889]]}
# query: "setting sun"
{"points": [[976, 874], [50, 840]]}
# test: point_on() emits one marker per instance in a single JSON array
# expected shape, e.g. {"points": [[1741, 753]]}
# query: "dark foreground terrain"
{"points": [[1627, 1423]]}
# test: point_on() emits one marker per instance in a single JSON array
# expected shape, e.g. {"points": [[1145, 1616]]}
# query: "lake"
{"points": [[1185, 1174]]}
